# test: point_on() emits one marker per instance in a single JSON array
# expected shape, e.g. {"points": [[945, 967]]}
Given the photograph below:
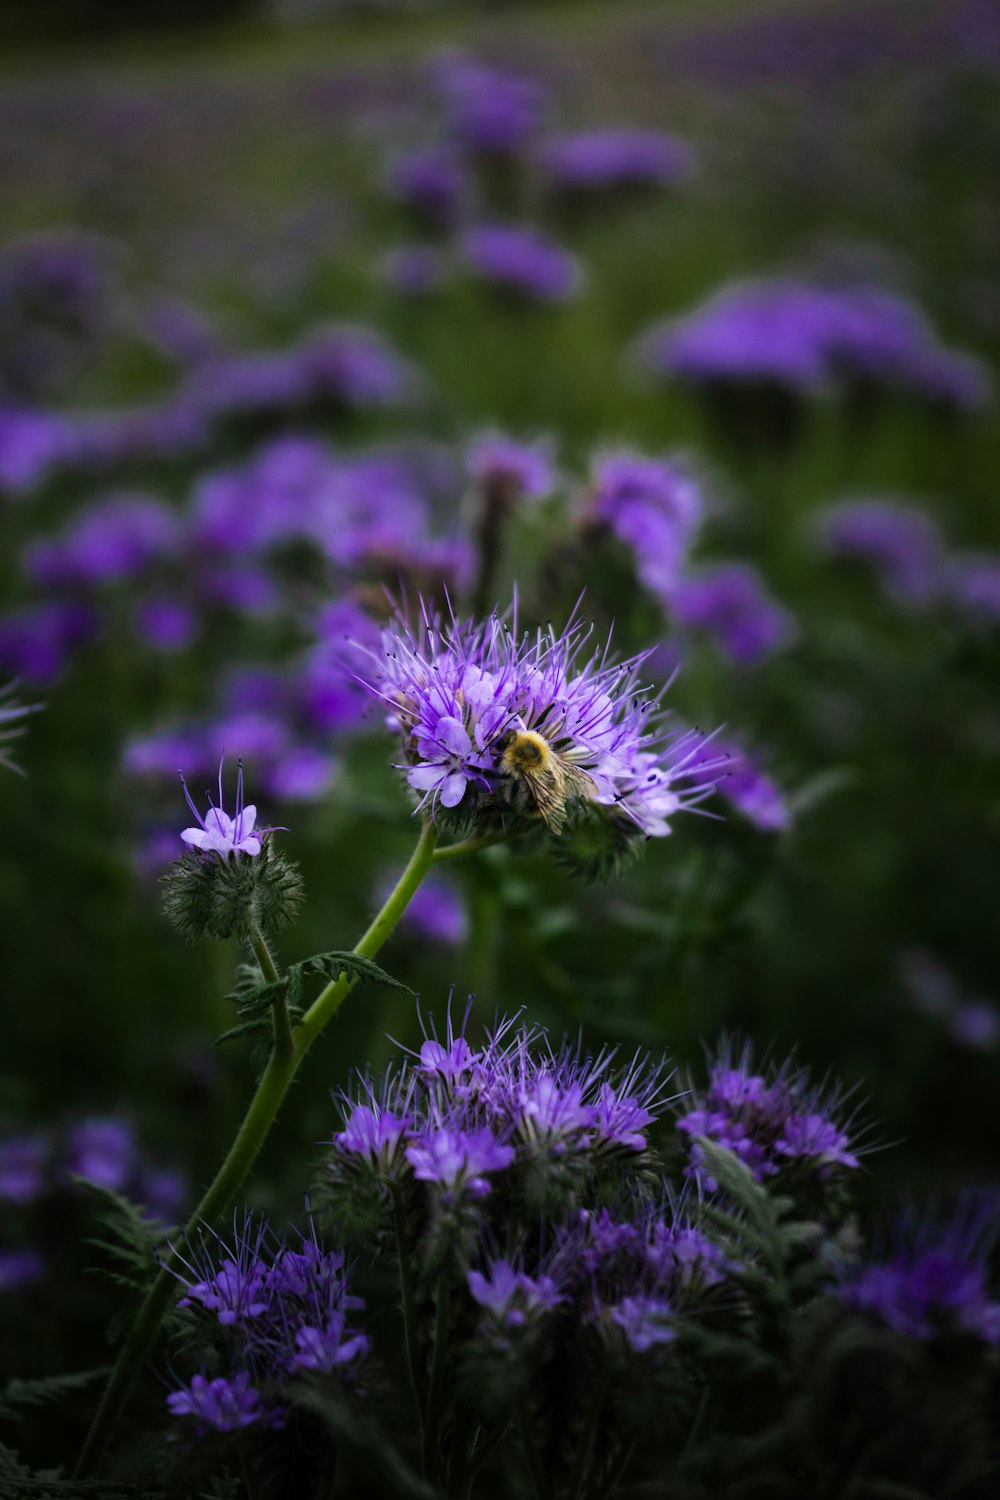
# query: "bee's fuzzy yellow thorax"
{"points": [[526, 753]]}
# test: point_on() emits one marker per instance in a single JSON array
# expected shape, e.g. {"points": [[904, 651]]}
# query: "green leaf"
{"points": [[17, 1393], [335, 965]]}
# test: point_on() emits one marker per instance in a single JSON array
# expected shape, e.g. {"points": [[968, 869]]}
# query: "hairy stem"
{"points": [[432, 1425], [263, 1108], [284, 1042], [467, 846]]}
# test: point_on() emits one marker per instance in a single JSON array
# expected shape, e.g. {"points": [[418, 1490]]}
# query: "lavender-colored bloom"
{"points": [[180, 331], [20, 1268], [166, 624], [739, 778], [413, 270], [458, 1159], [730, 602], [646, 1322], [451, 1062], [810, 338], [976, 1024], [510, 1296], [600, 161], [375, 1135], [521, 261], [972, 584], [37, 642], [327, 1348], [235, 1287], [301, 775], [437, 912], [512, 470], [220, 834], [770, 1120], [108, 543], [220, 1404], [901, 544], [936, 1282], [458, 693], [654, 507], [32, 445], [24, 1164], [430, 180], [103, 1151], [489, 109]]}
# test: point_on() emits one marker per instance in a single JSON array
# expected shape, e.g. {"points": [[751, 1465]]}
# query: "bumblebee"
{"points": [[545, 779]]}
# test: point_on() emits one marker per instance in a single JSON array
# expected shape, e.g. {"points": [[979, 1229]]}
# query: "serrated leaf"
{"points": [[354, 966], [17, 1393]]}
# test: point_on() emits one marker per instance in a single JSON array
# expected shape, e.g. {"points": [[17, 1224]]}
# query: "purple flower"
{"points": [[236, 1287], [770, 1120], [220, 834], [489, 109], [302, 774], [972, 584], [452, 1062], [24, 1164], [976, 1024], [103, 1151], [511, 1297], [437, 912], [431, 181], [518, 471], [115, 540], [220, 1404], [729, 602], [374, 1134], [326, 1348], [901, 544], [646, 1321], [745, 785], [521, 261], [810, 338], [462, 696], [601, 161], [936, 1281], [457, 1159], [37, 642], [20, 1268], [652, 506], [167, 624]]}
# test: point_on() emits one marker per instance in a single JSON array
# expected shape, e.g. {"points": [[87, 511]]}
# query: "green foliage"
{"points": [[18, 1393], [205, 896], [597, 845], [254, 999]]}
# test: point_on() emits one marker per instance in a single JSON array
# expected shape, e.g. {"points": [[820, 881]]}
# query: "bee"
{"points": [[546, 779]]}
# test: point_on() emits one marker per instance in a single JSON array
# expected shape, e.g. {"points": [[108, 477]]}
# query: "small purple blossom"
{"points": [[222, 1405], [731, 604], [375, 1135], [167, 624], [20, 1268], [438, 912], [900, 543], [521, 261], [220, 834], [327, 1348], [520, 471], [489, 109], [431, 181], [602, 161], [745, 785], [24, 1167], [510, 1296], [646, 1322], [236, 1287], [771, 1120], [458, 1159], [104, 1151], [654, 507], [936, 1281]]}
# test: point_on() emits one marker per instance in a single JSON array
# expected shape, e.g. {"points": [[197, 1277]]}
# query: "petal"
{"points": [[196, 837], [425, 778], [247, 819], [453, 789], [452, 734], [220, 823], [249, 845]]}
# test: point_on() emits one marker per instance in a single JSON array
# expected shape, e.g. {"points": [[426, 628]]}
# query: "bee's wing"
{"points": [[577, 783]]}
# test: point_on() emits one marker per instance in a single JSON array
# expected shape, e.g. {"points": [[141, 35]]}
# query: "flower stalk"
{"points": [[289, 1048]]}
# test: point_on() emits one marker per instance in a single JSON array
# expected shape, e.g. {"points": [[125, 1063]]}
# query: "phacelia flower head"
{"points": [[936, 1282], [775, 1121], [602, 161], [522, 262], [491, 110], [516, 732], [899, 542], [745, 785], [509, 469], [220, 834], [730, 602], [652, 505], [222, 1405]]}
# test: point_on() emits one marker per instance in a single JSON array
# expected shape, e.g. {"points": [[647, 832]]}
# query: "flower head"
{"points": [[516, 731], [222, 1405], [220, 834]]}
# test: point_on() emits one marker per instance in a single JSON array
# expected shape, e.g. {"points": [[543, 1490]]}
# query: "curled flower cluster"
{"points": [[272, 1314], [774, 1121], [510, 732]]}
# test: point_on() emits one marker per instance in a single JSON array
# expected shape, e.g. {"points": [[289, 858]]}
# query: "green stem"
{"points": [[432, 1435], [531, 1453], [263, 1108], [329, 1001], [409, 1308], [284, 1042], [467, 846]]}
